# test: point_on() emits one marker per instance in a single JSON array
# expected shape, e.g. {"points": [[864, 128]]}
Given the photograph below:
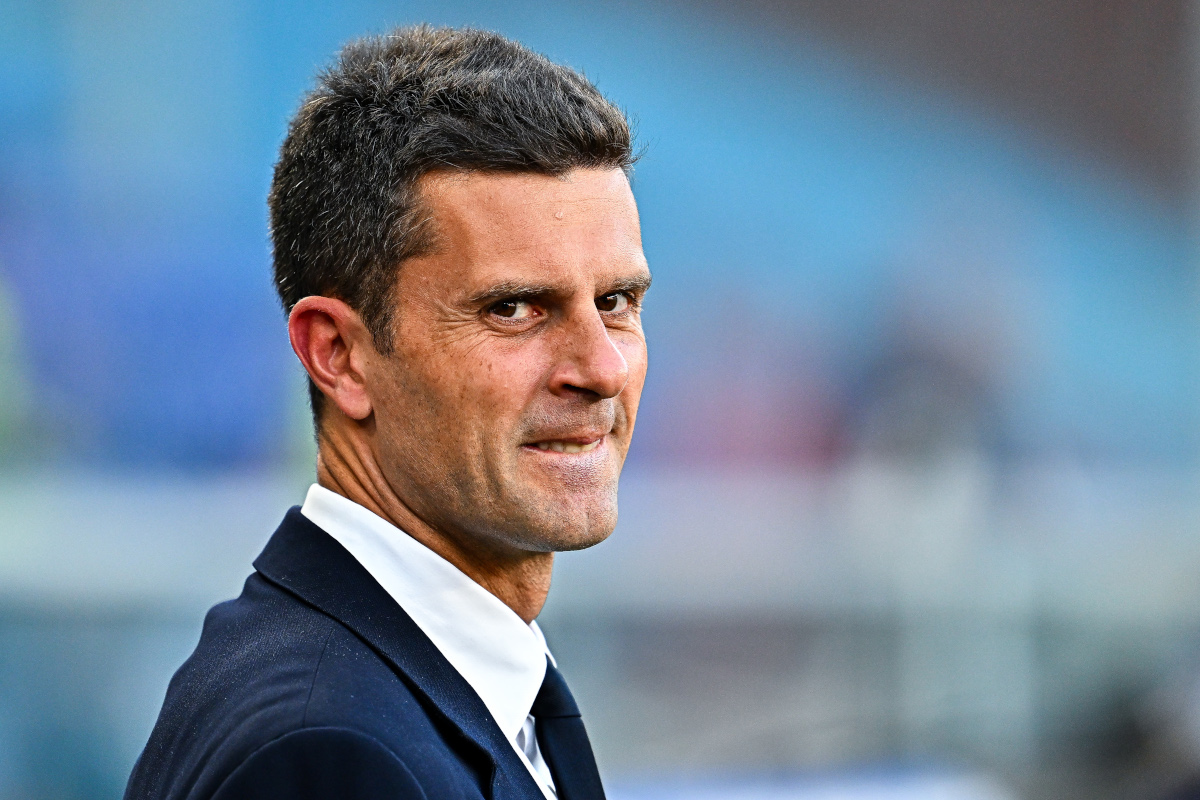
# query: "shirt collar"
{"points": [[502, 658]]}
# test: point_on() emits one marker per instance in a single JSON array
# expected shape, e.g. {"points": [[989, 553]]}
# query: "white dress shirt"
{"points": [[502, 658]]}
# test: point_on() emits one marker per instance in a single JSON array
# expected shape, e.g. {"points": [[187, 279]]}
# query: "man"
{"points": [[459, 252]]}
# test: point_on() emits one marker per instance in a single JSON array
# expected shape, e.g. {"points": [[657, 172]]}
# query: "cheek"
{"points": [[633, 349], [499, 383], [636, 358]]}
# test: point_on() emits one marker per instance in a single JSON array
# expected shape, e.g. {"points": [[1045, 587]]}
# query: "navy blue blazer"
{"points": [[314, 684]]}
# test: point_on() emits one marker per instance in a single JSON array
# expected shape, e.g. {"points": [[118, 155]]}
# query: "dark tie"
{"points": [[564, 742]]}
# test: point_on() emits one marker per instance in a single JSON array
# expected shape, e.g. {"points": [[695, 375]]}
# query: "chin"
{"points": [[582, 540], [570, 524]]}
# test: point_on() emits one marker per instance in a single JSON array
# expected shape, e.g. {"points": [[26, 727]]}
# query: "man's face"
{"points": [[503, 415]]}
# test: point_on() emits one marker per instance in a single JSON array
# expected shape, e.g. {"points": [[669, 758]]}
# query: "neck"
{"points": [[520, 579]]}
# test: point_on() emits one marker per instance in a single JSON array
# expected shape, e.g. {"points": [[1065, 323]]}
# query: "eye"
{"points": [[513, 309], [615, 302]]}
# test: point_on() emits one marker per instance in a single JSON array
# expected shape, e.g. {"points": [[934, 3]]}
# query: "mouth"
{"points": [[567, 446]]}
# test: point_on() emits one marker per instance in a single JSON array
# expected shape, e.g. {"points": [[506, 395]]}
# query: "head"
{"points": [[458, 249]]}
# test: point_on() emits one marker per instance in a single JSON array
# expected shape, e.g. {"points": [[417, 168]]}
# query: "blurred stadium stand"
{"points": [[913, 508]]}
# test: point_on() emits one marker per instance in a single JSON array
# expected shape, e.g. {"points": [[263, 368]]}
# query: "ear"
{"points": [[333, 344]]}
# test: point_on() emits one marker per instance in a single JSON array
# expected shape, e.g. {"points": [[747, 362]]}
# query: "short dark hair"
{"points": [[343, 205]]}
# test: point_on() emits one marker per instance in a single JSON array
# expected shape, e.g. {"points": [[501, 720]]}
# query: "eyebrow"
{"points": [[511, 290], [515, 290], [636, 285]]}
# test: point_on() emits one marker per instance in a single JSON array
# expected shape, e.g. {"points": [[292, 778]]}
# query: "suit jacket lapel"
{"points": [[304, 560]]}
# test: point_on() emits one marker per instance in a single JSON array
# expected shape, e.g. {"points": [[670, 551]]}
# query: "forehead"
{"points": [[497, 226]]}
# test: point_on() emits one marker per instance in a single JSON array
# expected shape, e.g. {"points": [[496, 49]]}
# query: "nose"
{"points": [[589, 362]]}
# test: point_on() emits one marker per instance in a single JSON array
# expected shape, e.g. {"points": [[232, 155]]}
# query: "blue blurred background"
{"points": [[914, 503]]}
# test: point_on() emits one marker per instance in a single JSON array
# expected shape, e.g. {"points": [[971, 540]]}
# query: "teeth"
{"points": [[566, 447]]}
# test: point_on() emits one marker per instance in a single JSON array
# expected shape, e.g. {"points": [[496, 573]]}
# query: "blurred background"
{"points": [[914, 506]]}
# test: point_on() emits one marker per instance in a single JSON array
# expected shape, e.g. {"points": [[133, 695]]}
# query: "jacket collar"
{"points": [[304, 560], [501, 656]]}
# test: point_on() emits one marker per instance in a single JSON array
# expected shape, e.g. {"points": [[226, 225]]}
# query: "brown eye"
{"points": [[615, 302], [512, 309]]}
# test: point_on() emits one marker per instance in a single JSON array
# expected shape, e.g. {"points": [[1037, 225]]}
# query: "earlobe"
{"points": [[329, 339]]}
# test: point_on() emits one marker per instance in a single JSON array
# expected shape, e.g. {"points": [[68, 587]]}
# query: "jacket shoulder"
{"points": [[322, 764], [246, 683], [272, 679]]}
